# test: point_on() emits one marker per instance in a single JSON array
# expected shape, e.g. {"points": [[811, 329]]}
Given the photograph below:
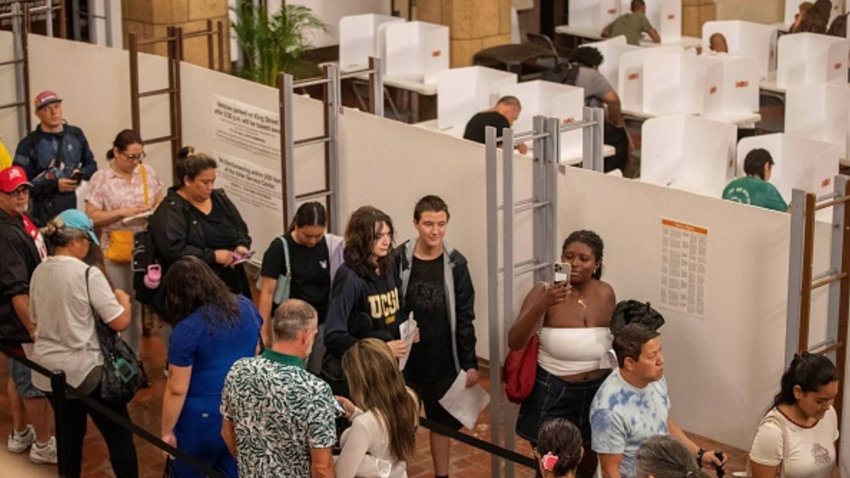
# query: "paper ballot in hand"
{"points": [[463, 403], [407, 330]]}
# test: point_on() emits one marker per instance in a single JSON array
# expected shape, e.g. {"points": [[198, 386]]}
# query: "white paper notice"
{"points": [[463, 403], [407, 330], [684, 251]]}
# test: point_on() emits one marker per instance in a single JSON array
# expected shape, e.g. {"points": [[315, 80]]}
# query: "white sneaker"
{"points": [[19, 443], [44, 453]]}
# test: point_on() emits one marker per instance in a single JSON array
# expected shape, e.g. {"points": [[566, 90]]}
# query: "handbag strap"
{"points": [[103, 331], [286, 257], [143, 172]]}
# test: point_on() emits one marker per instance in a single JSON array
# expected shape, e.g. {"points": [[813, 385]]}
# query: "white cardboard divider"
{"points": [[416, 50], [819, 112], [331, 11], [793, 6], [630, 75], [679, 82], [689, 153], [753, 41], [664, 15], [553, 100], [462, 92], [737, 93], [358, 39], [594, 14], [808, 58], [800, 163], [612, 49]]}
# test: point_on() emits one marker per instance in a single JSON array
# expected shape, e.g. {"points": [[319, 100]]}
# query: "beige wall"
{"points": [[759, 11]]}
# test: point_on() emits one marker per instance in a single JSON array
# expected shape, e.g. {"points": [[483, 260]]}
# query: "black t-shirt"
{"points": [[311, 276], [219, 231], [430, 358], [475, 127]]}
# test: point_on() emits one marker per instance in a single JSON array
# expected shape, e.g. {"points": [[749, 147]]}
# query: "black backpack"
{"points": [[144, 255], [566, 73]]}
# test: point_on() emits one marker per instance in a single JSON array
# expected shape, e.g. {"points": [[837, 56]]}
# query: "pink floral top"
{"points": [[109, 191]]}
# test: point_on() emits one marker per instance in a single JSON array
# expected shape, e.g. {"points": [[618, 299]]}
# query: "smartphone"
{"points": [[562, 271], [77, 176], [238, 259]]}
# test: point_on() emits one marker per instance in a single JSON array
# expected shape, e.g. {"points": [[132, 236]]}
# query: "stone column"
{"points": [[695, 13], [474, 24], [150, 19]]}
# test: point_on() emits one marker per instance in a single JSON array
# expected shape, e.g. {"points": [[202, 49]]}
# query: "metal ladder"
{"points": [[802, 281], [48, 10], [546, 136], [332, 98], [20, 61]]}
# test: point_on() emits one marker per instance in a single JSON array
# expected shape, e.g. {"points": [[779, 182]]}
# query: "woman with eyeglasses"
{"points": [[119, 200]]}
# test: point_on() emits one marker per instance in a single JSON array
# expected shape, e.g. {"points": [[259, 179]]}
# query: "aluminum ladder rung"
{"points": [[161, 139], [161, 91], [314, 195], [311, 141], [12, 62], [831, 203], [829, 279], [13, 105]]}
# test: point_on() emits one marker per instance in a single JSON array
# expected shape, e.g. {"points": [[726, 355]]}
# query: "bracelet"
{"points": [[700, 454]]}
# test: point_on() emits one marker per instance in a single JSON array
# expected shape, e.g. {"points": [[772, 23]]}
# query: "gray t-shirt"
{"points": [[65, 338], [595, 86]]}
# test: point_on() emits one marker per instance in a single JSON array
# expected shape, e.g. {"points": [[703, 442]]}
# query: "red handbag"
{"points": [[520, 371]]}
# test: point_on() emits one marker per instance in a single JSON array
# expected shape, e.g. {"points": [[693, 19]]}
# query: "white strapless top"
{"points": [[568, 351]]}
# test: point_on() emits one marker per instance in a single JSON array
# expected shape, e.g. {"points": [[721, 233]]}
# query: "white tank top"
{"points": [[568, 351]]}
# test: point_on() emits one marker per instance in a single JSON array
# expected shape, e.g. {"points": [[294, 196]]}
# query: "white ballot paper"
{"points": [[407, 330], [463, 403]]}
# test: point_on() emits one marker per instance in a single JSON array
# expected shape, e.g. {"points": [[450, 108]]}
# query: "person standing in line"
{"points": [[118, 199], [309, 257], [278, 419], [437, 289], [56, 157], [22, 249]]}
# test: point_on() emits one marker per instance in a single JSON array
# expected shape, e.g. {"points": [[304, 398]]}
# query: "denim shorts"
{"points": [[22, 376], [552, 397]]}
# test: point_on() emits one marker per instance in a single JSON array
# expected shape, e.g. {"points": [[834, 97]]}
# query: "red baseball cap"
{"points": [[12, 178], [45, 98]]}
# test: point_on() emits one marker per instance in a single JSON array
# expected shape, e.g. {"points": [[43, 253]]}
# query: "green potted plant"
{"points": [[274, 43]]}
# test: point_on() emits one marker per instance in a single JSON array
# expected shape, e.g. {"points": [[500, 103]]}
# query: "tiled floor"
{"points": [[466, 461]]}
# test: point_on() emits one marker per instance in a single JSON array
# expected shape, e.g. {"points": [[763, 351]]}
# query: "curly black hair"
{"points": [[587, 56], [591, 240]]}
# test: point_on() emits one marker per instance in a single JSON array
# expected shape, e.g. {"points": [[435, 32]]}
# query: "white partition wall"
{"points": [[800, 163], [358, 39], [678, 82], [594, 14], [554, 100], [809, 58], [416, 50], [332, 11], [819, 112], [462, 92], [612, 49], [752, 41], [688, 153], [737, 93], [630, 75]]}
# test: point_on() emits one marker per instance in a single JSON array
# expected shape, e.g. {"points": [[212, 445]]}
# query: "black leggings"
{"points": [[122, 451]]}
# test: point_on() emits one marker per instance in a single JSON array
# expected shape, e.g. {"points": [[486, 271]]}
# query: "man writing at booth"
{"points": [[632, 25], [632, 405], [501, 116]]}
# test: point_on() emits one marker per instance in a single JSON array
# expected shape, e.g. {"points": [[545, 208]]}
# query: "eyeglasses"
{"points": [[18, 192], [135, 157]]}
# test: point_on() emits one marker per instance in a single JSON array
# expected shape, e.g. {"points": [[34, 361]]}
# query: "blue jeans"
{"points": [[22, 377], [552, 397], [198, 433]]}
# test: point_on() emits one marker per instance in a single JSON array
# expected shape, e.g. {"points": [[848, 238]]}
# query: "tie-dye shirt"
{"points": [[623, 416]]}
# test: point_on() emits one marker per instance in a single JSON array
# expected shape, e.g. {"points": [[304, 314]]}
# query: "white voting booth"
{"points": [[689, 153], [800, 163], [359, 39], [462, 92], [664, 15], [593, 14], [416, 51], [612, 49], [808, 58], [819, 112], [792, 7], [553, 100], [630, 75], [331, 12], [752, 41], [736, 96], [676, 82]]}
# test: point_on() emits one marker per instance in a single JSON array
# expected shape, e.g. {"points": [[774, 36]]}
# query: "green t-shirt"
{"points": [[631, 25], [755, 191]]}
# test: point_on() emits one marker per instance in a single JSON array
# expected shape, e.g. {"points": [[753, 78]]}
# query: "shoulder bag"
{"points": [[120, 250], [284, 281], [520, 370], [123, 372]]}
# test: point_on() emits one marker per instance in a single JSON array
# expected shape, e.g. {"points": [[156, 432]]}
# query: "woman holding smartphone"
{"points": [[571, 318]]}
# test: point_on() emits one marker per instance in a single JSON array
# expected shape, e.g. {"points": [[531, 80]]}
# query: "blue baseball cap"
{"points": [[76, 219]]}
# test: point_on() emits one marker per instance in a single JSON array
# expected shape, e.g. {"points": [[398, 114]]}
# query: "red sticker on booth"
{"points": [[837, 66], [742, 84], [436, 53], [712, 90], [633, 76], [671, 16], [612, 11], [826, 182]]}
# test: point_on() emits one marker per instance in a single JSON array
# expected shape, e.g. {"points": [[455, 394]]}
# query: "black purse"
{"points": [[123, 372]]}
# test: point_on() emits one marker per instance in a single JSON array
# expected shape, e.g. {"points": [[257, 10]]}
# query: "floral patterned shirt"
{"points": [[109, 191], [279, 412]]}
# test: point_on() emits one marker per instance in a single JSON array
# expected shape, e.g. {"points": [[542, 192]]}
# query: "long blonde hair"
{"points": [[377, 385]]}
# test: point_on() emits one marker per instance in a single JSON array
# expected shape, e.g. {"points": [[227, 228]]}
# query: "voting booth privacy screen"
{"points": [[416, 50], [631, 74], [746, 40], [819, 112], [462, 92], [612, 49], [811, 58], [359, 39]]}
